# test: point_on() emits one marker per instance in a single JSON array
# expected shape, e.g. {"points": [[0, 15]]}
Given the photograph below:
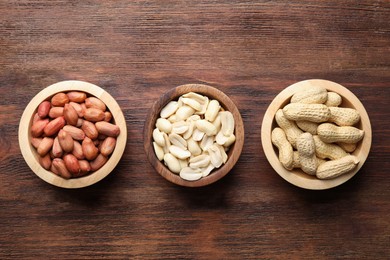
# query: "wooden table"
{"points": [[138, 50]]}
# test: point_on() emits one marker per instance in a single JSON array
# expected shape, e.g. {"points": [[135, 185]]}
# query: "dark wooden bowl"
{"points": [[233, 153]]}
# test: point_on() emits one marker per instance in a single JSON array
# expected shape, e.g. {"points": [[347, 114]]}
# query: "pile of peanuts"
{"points": [[73, 134], [193, 135], [316, 135]]}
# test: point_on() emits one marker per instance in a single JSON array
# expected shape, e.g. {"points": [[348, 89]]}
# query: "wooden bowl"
{"points": [[297, 176], [29, 152], [233, 153]]}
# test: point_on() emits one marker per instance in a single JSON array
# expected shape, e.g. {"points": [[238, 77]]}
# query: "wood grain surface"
{"points": [[138, 50]]}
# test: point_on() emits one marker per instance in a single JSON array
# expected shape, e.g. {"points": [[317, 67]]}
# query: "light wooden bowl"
{"points": [[296, 176], [29, 152], [233, 153]]}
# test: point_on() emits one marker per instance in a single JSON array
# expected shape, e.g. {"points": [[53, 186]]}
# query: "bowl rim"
{"points": [[310, 182], [234, 151], [31, 157]]}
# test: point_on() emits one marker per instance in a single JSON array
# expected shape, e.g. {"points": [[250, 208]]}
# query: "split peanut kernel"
{"points": [[193, 135]]}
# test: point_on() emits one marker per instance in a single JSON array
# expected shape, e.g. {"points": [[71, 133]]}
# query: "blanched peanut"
{"points": [[190, 174], [212, 110], [169, 109], [192, 103], [207, 170], [227, 123], [217, 123], [180, 127], [158, 137], [223, 153], [178, 152], [206, 142], [159, 151], [164, 125], [215, 156], [167, 143], [206, 127], [177, 140], [172, 162], [189, 128], [184, 112], [231, 139], [200, 161], [197, 135], [193, 147], [199, 98]]}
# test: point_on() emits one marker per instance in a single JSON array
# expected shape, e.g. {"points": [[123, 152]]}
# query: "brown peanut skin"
{"points": [[89, 149], [107, 146], [43, 109], [108, 129], [45, 161], [72, 164], [56, 112], [70, 115], [66, 141], [93, 102], [78, 108], [75, 133], [54, 169], [98, 162], [54, 126], [90, 129], [78, 150], [107, 116], [38, 127], [45, 146], [60, 168], [35, 141], [93, 114], [57, 149], [85, 167], [79, 122], [76, 96], [36, 118], [64, 134], [59, 100]]}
